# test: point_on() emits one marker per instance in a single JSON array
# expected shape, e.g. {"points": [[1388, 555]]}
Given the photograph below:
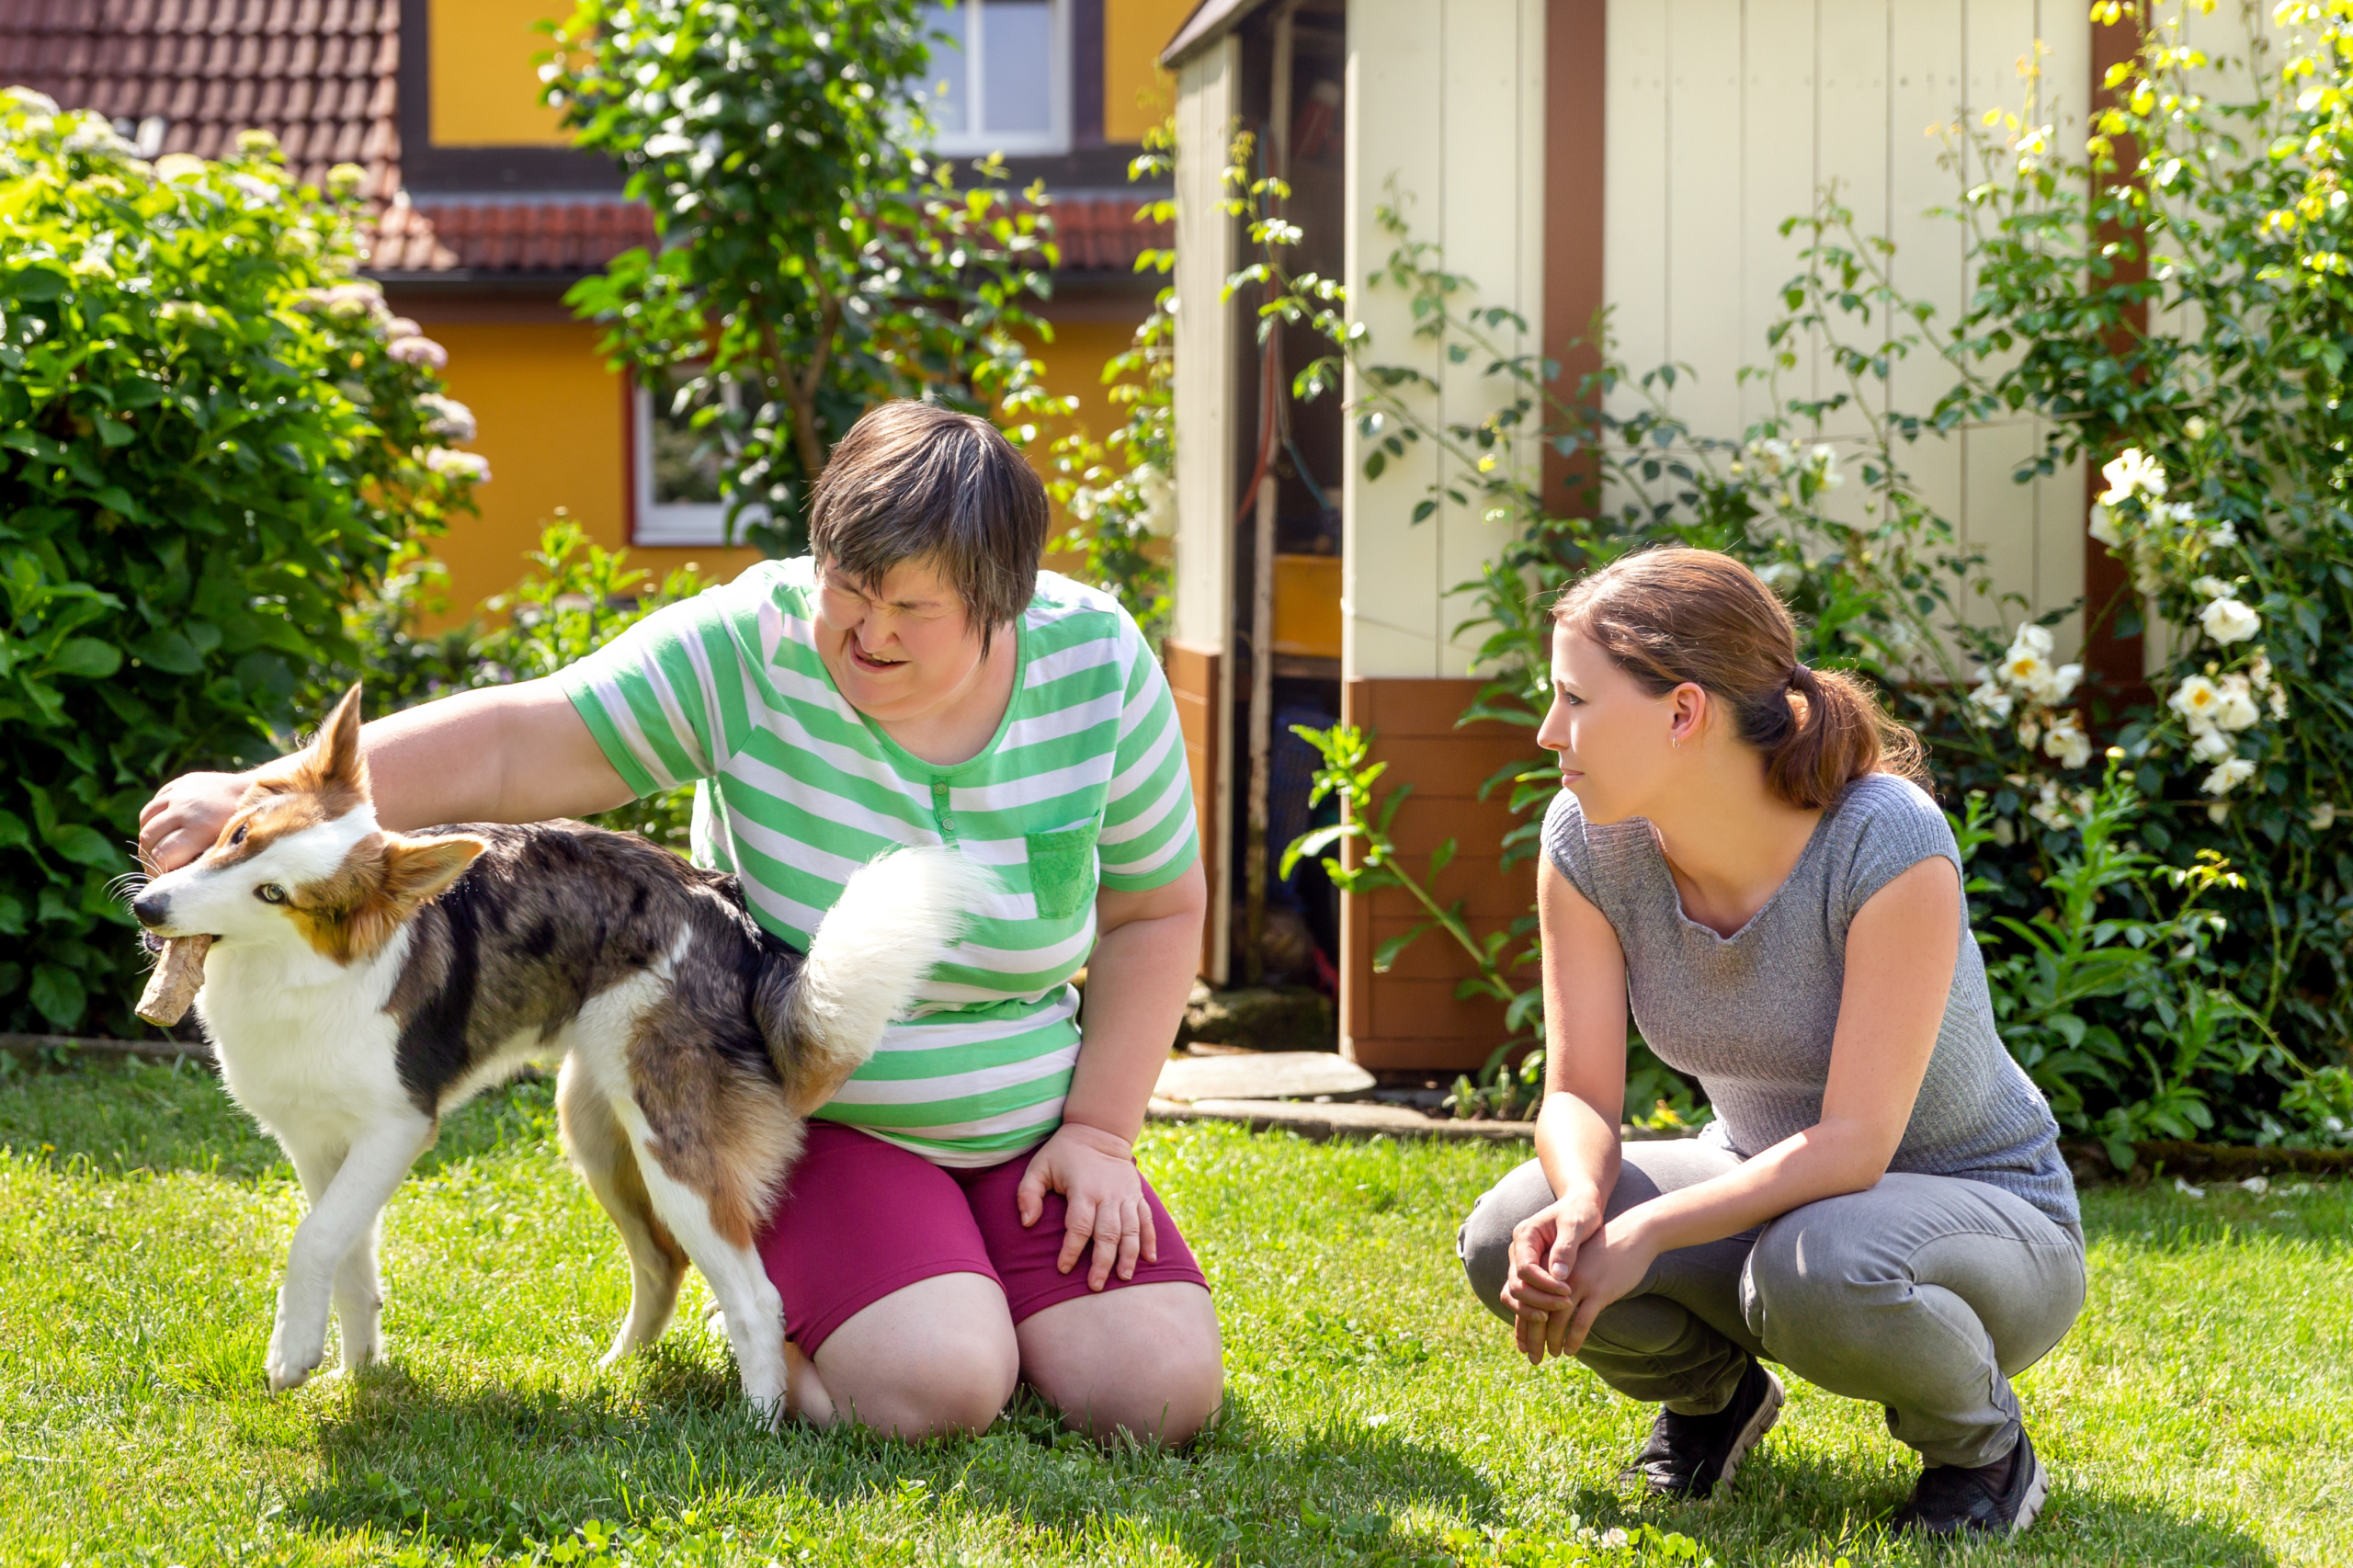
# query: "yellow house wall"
{"points": [[485, 81], [551, 420], [1137, 94]]}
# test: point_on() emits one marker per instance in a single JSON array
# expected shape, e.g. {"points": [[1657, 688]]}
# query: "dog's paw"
{"points": [[288, 1369]]}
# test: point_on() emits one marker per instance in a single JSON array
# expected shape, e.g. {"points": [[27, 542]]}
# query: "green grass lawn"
{"points": [[2198, 1414]]}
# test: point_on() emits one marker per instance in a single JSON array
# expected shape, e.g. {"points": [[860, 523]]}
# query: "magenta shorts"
{"points": [[861, 1218]]}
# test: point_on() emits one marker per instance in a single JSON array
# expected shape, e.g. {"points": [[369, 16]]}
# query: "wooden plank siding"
{"points": [[1194, 678], [1410, 1017], [1725, 117]]}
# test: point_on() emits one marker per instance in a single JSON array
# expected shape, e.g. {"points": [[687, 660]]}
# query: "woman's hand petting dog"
{"points": [[185, 816], [1096, 1172]]}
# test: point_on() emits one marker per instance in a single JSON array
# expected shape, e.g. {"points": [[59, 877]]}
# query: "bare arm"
{"points": [[1585, 1099], [514, 752], [1148, 946], [1900, 954]]}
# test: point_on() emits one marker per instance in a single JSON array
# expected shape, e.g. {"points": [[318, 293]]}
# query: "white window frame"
{"points": [[675, 524], [1056, 138]]}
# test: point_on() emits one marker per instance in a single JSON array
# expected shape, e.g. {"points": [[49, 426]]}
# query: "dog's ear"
{"points": [[333, 764], [418, 870]]}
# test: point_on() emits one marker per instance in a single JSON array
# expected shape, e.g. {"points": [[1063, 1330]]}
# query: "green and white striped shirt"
{"points": [[1084, 784]]}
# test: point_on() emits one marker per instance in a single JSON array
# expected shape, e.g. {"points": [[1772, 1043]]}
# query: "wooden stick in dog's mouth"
{"points": [[180, 973]]}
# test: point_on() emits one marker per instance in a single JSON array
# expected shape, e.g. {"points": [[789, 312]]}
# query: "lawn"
{"points": [[2196, 1417]]}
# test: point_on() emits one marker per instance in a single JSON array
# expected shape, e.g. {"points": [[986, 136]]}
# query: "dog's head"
{"points": [[302, 860]]}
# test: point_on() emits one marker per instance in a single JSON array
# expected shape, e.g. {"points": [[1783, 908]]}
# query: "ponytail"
{"points": [[1676, 614]]}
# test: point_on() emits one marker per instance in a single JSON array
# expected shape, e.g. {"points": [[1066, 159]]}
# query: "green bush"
{"points": [[209, 433], [578, 597]]}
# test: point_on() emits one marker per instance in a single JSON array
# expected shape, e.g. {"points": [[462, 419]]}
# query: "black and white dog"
{"points": [[362, 983]]}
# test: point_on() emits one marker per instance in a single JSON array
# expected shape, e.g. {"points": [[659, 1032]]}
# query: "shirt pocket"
{"points": [[1062, 869]]}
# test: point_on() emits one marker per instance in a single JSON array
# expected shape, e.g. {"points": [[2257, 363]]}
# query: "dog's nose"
{"points": [[150, 909]]}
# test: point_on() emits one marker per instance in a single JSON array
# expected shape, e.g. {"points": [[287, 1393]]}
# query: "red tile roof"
{"points": [[317, 74], [493, 235], [1098, 231], [322, 77]]}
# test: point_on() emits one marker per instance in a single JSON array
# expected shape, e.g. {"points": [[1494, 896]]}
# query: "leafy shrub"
{"points": [[209, 433], [814, 260], [577, 596]]}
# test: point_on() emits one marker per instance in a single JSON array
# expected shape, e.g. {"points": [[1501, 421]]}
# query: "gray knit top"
{"points": [[1751, 1015]]}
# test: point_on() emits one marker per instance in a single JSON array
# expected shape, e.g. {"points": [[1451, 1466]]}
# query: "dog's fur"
{"points": [[363, 984]]}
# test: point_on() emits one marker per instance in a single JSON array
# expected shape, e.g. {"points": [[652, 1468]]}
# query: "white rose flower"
{"points": [[447, 417], [2228, 775], [2236, 710], [2146, 577], [2280, 703], [2219, 812], [2212, 745], [2027, 672], [2227, 621], [2104, 527], [2196, 426], [2029, 732], [2210, 588], [2066, 741], [2048, 811], [2063, 681], [2133, 474], [2196, 700], [454, 465], [2324, 817], [2006, 832], [2222, 533], [2259, 672], [1990, 700], [2032, 639]]}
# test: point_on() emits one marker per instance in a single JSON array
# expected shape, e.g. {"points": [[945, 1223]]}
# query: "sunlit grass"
{"points": [[2197, 1415]]}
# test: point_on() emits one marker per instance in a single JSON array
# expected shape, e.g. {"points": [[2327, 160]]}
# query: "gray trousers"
{"points": [[1924, 1294]]}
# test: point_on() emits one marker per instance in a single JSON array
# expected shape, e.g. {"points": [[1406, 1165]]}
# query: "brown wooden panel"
{"points": [[1193, 680], [1576, 49], [1410, 1020]]}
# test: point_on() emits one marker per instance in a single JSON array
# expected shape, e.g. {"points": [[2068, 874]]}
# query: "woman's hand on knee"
{"points": [[1608, 1269], [1103, 1201], [1544, 1250]]}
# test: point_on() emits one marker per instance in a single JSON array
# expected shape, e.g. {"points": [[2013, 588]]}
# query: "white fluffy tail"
{"points": [[896, 919]]}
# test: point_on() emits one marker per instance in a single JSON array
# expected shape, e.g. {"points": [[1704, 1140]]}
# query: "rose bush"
{"points": [[211, 434]]}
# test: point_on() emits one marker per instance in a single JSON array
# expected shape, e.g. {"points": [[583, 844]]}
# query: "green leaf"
{"points": [[86, 658], [168, 650], [1386, 954], [1315, 843], [13, 834], [58, 996], [1440, 858], [12, 916], [85, 845]]}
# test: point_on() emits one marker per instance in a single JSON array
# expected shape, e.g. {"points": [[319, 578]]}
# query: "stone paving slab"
{"points": [[1263, 1075], [1320, 1123]]}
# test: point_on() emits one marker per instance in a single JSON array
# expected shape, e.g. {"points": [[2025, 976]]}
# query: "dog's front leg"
{"points": [[339, 1219]]}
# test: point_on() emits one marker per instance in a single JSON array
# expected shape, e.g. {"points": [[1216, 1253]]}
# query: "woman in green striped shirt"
{"points": [[968, 1212]]}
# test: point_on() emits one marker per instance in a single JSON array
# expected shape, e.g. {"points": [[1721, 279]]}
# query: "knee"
{"points": [[1803, 1278], [1484, 1242], [1169, 1407], [957, 1382]]}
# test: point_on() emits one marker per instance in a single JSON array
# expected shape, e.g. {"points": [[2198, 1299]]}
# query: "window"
{"points": [[999, 75], [681, 498]]}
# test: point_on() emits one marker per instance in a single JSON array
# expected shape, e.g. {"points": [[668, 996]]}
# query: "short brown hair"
{"points": [[1672, 615], [915, 482]]}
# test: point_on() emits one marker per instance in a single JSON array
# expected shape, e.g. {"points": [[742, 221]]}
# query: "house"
{"points": [[1566, 154], [484, 215]]}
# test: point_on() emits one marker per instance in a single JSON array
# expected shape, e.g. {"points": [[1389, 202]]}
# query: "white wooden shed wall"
{"points": [[1726, 116], [1446, 114]]}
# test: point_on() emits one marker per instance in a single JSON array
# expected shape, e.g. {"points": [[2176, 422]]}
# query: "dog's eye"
{"points": [[239, 837], [270, 893]]}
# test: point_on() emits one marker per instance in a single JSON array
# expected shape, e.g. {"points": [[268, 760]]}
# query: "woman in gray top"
{"points": [[1879, 1206]]}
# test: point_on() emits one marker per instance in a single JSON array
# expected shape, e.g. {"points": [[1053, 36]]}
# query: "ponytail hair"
{"points": [[1675, 615]]}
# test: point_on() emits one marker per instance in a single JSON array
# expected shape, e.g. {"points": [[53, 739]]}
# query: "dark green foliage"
{"points": [[813, 262], [207, 435]]}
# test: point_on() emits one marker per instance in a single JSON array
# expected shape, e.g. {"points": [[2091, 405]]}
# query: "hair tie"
{"points": [[1796, 676]]}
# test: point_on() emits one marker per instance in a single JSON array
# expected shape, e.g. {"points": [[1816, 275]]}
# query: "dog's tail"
{"points": [[896, 918]]}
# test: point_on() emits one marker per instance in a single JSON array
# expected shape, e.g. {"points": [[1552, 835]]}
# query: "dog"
{"points": [[361, 984]]}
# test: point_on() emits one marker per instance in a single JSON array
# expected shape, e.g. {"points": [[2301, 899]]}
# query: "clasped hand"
{"points": [[1567, 1265], [1103, 1200]]}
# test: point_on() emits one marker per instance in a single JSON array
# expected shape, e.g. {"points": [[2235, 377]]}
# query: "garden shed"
{"points": [[1568, 155]]}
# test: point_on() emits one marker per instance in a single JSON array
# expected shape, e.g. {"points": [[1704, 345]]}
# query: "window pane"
{"points": [[1017, 53], [944, 94], [686, 465]]}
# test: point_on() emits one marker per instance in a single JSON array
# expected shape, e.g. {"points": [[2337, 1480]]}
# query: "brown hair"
{"points": [[915, 482], [1672, 615]]}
